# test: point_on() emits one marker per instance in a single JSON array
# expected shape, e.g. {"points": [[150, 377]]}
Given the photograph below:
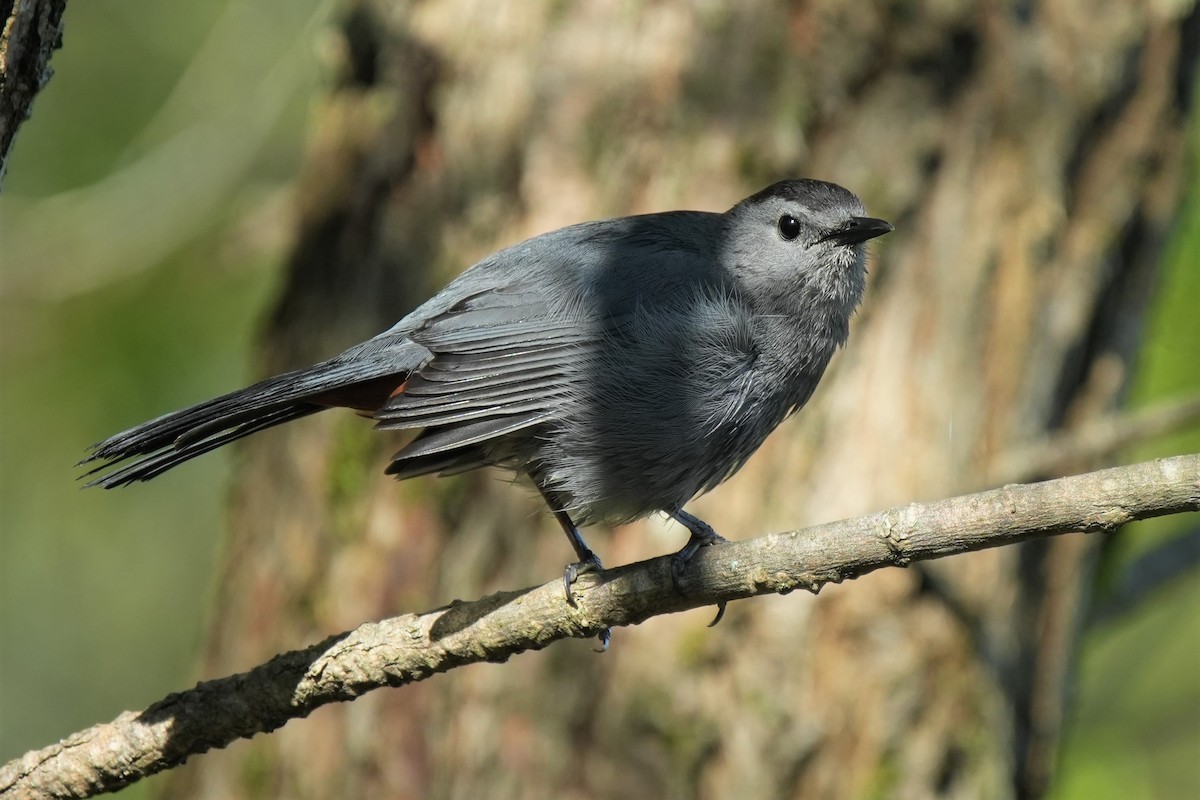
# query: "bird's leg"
{"points": [[702, 536], [588, 560]]}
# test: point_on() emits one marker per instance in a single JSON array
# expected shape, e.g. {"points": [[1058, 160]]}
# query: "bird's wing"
{"points": [[505, 358], [500, 364]]}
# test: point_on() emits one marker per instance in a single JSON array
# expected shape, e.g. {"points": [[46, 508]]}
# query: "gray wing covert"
{"points": [[498, 366], [505, 359]]}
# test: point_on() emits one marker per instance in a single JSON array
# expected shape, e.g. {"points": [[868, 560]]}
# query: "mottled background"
{"points": [[212, 190]]}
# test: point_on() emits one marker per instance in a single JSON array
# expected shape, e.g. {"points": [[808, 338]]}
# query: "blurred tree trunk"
{"points": [[1031, 157]]}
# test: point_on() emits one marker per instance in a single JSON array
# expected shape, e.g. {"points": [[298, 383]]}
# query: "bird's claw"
{"points": [[588, 562], [702, 536]]}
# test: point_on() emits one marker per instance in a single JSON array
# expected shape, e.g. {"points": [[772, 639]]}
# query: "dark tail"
{"points": [[163, 443]]}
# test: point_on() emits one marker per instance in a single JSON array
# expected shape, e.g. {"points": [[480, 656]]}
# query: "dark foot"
{"points": [[588, 562], [702, 536]]}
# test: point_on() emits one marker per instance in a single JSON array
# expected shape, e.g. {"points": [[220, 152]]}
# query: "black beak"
{"points": [[858, 229]]}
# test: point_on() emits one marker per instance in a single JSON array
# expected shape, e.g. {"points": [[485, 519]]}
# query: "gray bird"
{"points": [[625, 365]]}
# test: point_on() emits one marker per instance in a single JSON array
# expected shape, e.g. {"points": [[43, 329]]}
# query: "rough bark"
{"points": [[1031, 157], [403, 650], [32, 32]]}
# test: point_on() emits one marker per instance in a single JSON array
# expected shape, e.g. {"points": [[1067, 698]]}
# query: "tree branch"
{"points": [[32, 31], [412, 647]]}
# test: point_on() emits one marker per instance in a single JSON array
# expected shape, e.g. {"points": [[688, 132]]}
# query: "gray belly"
{"points": [[664, 413]]}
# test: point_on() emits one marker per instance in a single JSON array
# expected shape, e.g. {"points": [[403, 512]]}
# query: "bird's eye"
{"points": [[789, 227]]}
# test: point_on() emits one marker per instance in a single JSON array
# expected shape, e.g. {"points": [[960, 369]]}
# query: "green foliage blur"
{"points": [[142, 222], [141, 227]]}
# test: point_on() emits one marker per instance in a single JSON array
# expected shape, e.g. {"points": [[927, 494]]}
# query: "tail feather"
{"points": [[169, 440], [159, 461]]}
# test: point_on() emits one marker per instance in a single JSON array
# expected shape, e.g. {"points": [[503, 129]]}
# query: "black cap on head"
{"points": [[810, 192]]}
